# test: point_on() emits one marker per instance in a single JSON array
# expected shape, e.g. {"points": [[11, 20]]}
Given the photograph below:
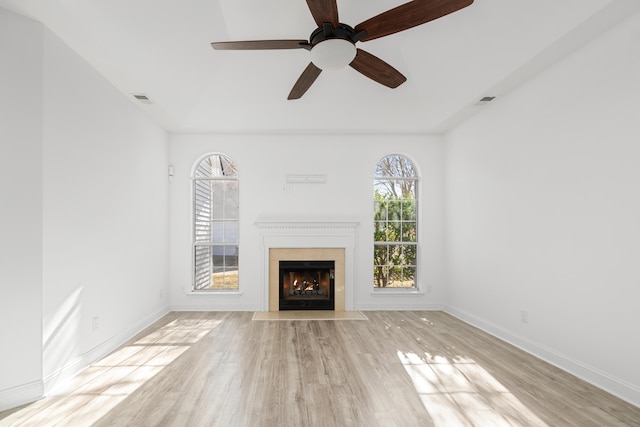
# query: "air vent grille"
{"points": [[142, 98], [484, 101]]}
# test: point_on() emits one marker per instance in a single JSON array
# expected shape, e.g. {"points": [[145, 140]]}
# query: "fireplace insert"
{"points": [[307, 285]]}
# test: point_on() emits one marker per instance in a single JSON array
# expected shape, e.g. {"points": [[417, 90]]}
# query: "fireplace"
{"points": [[307, 239], [306, 285]]}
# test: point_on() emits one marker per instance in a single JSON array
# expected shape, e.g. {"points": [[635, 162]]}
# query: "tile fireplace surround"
{"points": [[298, 240]]}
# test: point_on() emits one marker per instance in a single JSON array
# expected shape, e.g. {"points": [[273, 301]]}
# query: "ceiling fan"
{"points": [[332, 44]]}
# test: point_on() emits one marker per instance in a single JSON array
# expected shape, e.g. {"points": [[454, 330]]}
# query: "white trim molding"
{"points": [[17, 396]]}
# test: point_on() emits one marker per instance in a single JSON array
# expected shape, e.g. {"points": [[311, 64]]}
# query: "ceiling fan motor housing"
{"points": [[342, 31]]}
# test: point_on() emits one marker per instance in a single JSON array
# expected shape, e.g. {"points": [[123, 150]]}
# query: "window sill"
{"points": [[213, 293], [382, 291]]}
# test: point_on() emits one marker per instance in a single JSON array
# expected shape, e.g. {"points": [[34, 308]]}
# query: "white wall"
{"points": [[348, 161], [105, 214], [543, 214], [84, 213], [20, 210]]}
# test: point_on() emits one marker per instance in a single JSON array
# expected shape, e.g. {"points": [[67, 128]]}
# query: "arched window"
{"points": [[395, 216], [215, 224]]}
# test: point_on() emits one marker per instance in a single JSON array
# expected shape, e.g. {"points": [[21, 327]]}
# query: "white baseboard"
{"points": [[389, 306], [610, 384], [21, 395], [60, 377], [222, 307]]}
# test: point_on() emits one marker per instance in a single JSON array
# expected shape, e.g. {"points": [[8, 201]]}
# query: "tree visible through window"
{"points": [[395, 223], [215, 224]]}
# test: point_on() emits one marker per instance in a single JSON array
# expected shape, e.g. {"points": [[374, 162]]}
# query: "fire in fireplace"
{"points": [[307, 285]]}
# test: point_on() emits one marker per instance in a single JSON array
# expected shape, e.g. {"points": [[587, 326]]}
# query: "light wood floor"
{"points": [[395, 369]]}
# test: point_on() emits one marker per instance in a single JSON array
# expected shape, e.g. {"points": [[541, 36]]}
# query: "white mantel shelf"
{"points": [[305, 224]]}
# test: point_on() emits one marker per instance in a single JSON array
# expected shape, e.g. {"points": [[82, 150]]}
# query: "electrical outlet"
{"points": [[95, 323], [524, 316]]}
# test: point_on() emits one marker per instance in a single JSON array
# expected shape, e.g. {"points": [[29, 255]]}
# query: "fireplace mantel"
{"points": [[304, 234], [305, 224]]}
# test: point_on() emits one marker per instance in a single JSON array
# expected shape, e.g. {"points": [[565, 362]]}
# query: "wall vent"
{"points": [[484, 101], [306, 179], [142, 98]]}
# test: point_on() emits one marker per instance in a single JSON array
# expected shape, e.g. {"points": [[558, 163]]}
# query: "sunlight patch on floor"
{"points": [[460, 392], [102, 386]]}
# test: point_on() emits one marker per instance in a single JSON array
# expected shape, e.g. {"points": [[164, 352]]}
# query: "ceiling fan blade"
{"points": [[407, 16], [376, 69], [260, 45], [306, 79], [324, 11]]}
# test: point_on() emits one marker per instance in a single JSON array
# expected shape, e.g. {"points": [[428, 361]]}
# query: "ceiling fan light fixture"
{"points": [[333, 54]]}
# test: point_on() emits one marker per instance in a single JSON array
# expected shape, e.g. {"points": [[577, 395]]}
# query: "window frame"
{"points": [[415, 243], [199, 243]]}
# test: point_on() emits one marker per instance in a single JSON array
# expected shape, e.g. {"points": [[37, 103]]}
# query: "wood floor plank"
{"points": [[394, 369]]}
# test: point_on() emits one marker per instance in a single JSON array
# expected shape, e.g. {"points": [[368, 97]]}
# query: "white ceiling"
{"points": [[162, 48]]}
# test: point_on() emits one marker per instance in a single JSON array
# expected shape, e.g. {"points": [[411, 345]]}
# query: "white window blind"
{"points": [[215, 224]]}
